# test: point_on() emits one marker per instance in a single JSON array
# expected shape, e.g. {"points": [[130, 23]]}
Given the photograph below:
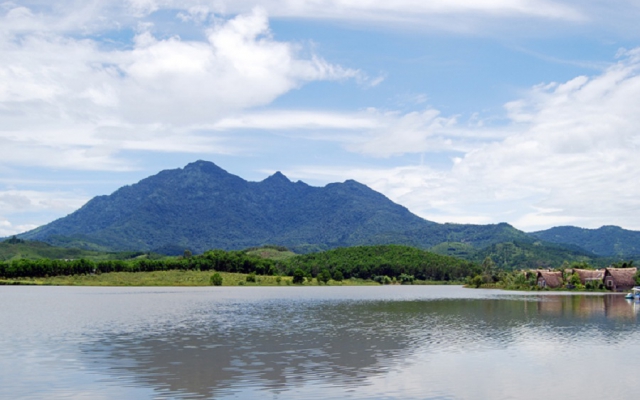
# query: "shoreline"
{"points": [[188, 278]]}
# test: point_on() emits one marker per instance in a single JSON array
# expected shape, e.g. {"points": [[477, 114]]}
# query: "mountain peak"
{"points": [[278, 177], [204, 166]]}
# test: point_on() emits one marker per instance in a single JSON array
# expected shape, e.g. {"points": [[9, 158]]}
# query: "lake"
{"points": [[386, 342]]}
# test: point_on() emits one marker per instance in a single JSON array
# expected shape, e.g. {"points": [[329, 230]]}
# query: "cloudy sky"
{"points": [[470, 111]]}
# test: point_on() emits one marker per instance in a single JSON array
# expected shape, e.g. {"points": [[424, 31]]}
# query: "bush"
{"points": [[575, 279], [324, 276], [337, 276], [251, 277], [477, 281], [594, 285], [298, 276], [382, 279], [406, 279], [216, 279]]}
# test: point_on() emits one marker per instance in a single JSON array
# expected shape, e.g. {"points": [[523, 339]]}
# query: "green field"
{"points": [[173, 278]]}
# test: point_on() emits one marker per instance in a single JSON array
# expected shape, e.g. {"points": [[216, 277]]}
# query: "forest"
{"points": [[382, 263]]}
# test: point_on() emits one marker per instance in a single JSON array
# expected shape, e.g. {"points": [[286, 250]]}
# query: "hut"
{"points": [[589, 275], [549, 279], [619, 279]]}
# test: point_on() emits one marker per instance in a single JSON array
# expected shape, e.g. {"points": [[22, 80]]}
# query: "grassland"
{"points": [[183, 278], [171, 278]]}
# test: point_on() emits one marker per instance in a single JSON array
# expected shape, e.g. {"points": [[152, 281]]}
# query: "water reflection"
{"points": [[587, 307], [333, 346], [330, 343]]}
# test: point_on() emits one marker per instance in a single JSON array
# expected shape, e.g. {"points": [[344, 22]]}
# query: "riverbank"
{"points": [[183, 278]]}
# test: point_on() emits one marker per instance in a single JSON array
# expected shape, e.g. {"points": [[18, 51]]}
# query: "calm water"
{"points": [[394, 342]]}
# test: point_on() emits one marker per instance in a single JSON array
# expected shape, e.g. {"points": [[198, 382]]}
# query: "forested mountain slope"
{"points": [[608, 241], [201, 207]]}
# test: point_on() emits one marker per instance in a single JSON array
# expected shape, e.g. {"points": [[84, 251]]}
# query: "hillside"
{"points": [[201, 207], [607, 241], [525, 254], [528, 255], [366, 262], [13, 249]]}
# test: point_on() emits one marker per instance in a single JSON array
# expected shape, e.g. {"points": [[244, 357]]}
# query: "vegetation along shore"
{"points": [[36, 263], [268, 265]]}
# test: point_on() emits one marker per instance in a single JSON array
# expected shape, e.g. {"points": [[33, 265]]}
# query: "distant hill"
{"points": [[607, 241], [528, 255], [13, 249], [202, 206]]}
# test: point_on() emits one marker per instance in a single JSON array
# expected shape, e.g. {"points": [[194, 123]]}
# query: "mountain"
{"points": [[201, 206], [528, 255], [607, 241]]}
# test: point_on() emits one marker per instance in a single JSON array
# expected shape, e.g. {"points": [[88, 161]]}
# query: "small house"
{"points": [[619, 279], [549, 279], [589, 275]]}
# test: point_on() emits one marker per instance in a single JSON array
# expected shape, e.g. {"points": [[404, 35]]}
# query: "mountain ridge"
{"points": [[202, 200], [202, 206], [607, 241]]}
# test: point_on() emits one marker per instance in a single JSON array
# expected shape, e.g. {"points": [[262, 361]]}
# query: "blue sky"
{"points": [[480, 111]]}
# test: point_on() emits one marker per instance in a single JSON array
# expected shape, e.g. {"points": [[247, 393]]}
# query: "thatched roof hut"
{"points": [[619, 279], [549, 279], [589, 275]]}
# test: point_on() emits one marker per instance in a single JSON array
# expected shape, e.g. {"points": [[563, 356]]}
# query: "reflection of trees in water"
{"points": [[280, 344], [614, 307], [273, 346]]}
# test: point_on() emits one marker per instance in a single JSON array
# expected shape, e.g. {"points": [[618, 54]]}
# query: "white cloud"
{"points": [[73, 103], [240, 66], [372, 132], [568, 156], [405, 8], [35, 201], [23, 210], [414, 132], [88, 17], [296, 120], [574, 148], [379, 10], [9, 229]]}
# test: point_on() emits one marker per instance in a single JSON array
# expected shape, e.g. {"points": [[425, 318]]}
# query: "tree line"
{"points": [[393, 261], [363, 262]]}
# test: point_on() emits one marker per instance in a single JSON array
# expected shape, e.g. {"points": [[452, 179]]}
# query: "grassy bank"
{"points": [[180, 278]]}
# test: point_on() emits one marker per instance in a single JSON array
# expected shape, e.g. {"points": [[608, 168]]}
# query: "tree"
{"points": [[14, 240], [406, 279], [187, 254], [575, 279], [216, 279], [477, 281], [324, 276], [488, 269], [337, 276], [298, 276]]}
